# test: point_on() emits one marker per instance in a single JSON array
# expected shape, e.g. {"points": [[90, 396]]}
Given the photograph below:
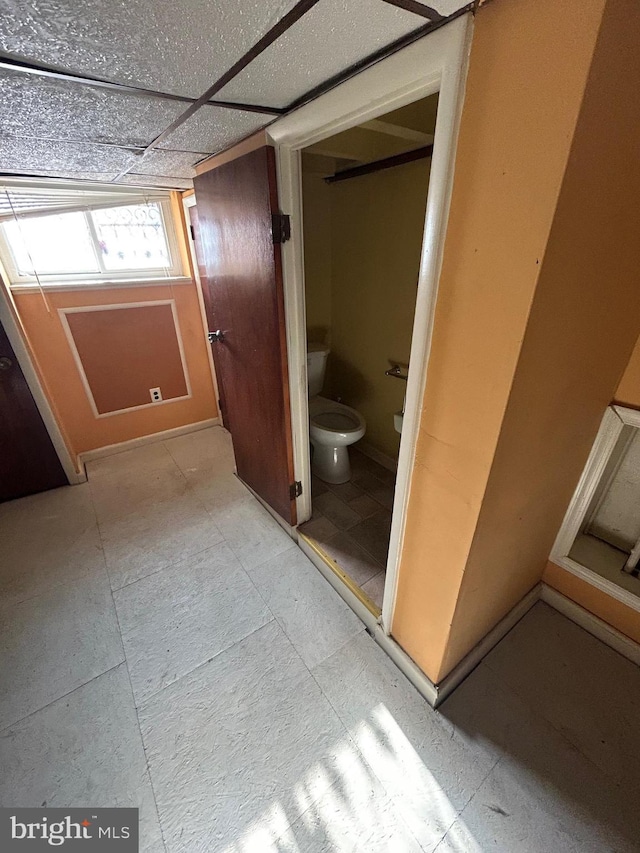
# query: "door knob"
{"points": [[5, 363], [216, 336]]}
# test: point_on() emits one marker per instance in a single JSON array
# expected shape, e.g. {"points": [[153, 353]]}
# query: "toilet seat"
{"points": [[331, 417]]}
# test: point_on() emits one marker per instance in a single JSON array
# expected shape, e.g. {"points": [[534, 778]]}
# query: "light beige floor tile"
{"points": [[314, 618], [543, 795], [53, 643], [207, 448], [118, 496], [181, 617], [83, 750], [253, 534], [141, 461], [155, 537], [215, 489], [244, 742], [583, 688], [428, 766], [46, 540]]}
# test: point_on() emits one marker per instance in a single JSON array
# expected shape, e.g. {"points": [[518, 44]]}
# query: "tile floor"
{"points": [[164, 644], [351, 522]]}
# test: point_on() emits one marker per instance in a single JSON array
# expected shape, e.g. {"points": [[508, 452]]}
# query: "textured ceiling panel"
{"points": [[156, 181], [42, 107], [176, 164], [176, 46], [331, 37], [213, 128], [22, 155], [447, 7]]}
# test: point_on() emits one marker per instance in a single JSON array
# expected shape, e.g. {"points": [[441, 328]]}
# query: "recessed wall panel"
{"points": [[123, 352]]}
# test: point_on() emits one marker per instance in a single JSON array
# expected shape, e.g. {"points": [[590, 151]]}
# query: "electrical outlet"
{"points": [[156, 395]]}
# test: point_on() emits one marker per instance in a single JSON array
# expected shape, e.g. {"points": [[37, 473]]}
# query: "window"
{"points": [[127, 240]]}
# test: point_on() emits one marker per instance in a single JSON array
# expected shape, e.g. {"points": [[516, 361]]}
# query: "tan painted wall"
{"points": [[377, 223], [628, 390], [62, 380], [529, 65], [626, 620], [316, 211], [362, 255]]}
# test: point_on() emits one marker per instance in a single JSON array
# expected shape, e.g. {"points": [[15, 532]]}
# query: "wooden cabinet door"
{"points": [[241, 271]]}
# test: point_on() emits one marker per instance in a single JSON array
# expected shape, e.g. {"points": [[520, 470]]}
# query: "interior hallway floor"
{"points": [[163, 643]]}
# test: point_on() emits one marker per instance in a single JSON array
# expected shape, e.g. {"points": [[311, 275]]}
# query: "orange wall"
{"points": [[46, 337], [528, 67], [628, 390], [626, 620], [582, 328], [109, 342]]}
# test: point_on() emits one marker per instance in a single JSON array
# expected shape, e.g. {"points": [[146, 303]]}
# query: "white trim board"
{"points": [[132, 443], [16, 340], [88, 309], [436, 63], [613, 422]]}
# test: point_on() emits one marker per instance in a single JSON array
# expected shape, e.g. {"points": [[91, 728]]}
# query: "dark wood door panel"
{"points": [[28, 460], [244, 299]]}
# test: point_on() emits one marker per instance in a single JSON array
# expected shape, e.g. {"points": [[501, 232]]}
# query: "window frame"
{"points": [[18, 280]]}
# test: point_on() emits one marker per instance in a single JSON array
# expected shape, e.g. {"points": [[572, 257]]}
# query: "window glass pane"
{"points": [[49, 245], [132, 237]]}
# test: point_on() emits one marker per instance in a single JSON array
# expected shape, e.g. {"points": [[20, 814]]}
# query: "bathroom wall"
{"points": [[361, 278]]}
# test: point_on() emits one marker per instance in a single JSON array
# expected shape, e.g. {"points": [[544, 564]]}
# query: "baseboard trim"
{"points": [[132, 443], [486, 644], [609, 635], [372, 623], [381, 458]]}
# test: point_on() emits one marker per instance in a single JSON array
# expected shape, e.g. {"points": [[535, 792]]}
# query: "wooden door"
{"points": [[241, 273], [28, 460]]}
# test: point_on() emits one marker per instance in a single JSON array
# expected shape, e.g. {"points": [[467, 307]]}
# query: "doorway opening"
{"points": [[364, 197]]}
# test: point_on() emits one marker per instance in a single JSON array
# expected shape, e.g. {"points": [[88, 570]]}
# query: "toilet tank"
{"points": [[316, 366]]}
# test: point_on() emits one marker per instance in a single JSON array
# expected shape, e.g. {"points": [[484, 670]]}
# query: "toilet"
{"points": [[332, 426]]}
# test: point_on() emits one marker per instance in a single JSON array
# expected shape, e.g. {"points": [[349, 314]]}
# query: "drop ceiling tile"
{"points": [[156, 181], [175, 164], [41, 107], [213, 128], [447, 7], [26, 155], [331, 37], [180, 47]]}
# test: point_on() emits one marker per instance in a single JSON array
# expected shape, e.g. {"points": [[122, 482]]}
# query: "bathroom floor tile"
{"points": [[85, 749], [52, 643], [319, 528], [351, 558], [373, 534], [345, 491], [375, 588], [336, 510], [365, 506], [182, 616]]}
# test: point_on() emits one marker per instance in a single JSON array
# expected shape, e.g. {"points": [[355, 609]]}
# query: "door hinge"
{"points": [[281, 227], [295, 490]]}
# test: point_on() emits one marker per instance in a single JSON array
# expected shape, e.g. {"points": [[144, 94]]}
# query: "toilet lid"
{"points": [[338, 421]]}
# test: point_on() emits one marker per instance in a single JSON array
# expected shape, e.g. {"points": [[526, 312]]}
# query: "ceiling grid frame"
{"points": [[144, 158]]}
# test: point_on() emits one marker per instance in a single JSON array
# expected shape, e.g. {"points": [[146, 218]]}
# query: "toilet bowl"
{"points": [[332, 428]]}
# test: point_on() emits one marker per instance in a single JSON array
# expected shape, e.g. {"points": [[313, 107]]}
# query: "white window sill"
{"points": [[100, 284]]}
